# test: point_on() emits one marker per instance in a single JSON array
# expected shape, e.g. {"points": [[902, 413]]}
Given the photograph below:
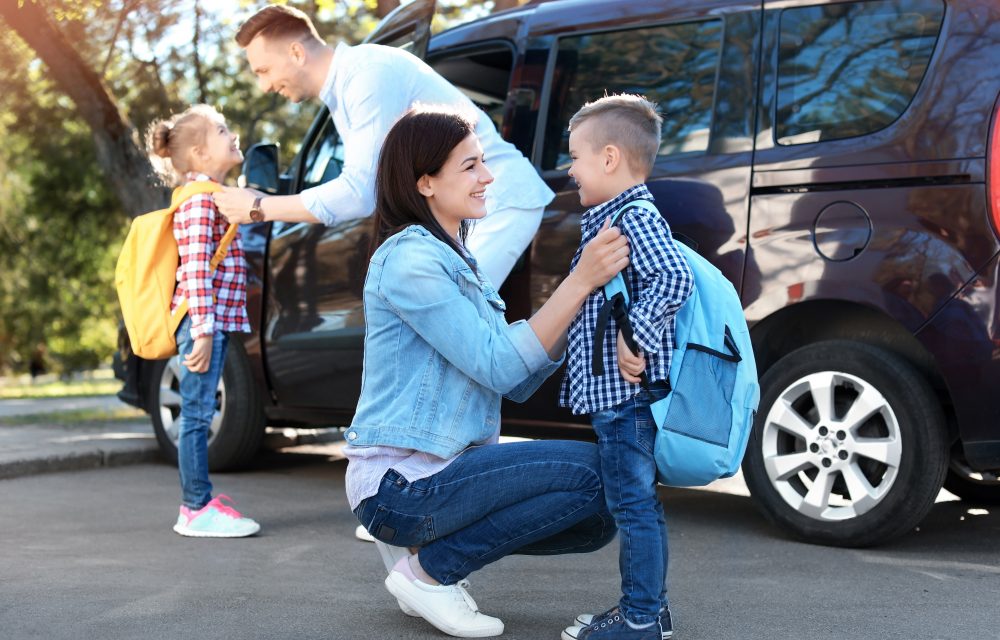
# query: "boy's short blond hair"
{"points": [[627, 121]]}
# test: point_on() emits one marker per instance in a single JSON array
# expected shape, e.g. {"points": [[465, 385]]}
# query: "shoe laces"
{"points": [[225, 509], [461, 594]]}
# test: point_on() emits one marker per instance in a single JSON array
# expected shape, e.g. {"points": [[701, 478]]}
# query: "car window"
{"points": [[483, 76], [325, 157], [847, 70], [673, 65]]}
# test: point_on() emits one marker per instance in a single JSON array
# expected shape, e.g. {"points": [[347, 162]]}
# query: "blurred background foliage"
{"points": [[61, 222]]}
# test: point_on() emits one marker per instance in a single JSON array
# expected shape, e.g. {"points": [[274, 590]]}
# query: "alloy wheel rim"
{"points": [[831, 446], [170, 403]]}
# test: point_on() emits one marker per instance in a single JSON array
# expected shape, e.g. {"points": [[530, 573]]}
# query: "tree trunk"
{"points": [[119, 153], [385, 7]]}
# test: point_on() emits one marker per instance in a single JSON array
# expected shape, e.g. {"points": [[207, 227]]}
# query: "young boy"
{"points": [[613, 143]]}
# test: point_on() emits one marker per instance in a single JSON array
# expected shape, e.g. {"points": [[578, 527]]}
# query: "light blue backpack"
{"points": [[704, 422]]}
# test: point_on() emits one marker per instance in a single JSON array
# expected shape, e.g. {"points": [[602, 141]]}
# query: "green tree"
{"points": [[79, 81]]}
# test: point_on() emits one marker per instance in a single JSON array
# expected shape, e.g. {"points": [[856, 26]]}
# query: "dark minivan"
{"points": [[832, 158]]}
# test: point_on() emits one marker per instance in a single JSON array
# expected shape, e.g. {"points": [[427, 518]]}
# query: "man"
{"points": [[367, 87]]}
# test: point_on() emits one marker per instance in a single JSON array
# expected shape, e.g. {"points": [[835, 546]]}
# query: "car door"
{"points": [[699, 63], [314, 324]]}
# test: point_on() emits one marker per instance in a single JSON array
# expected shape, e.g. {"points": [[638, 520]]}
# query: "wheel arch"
{"points": [[808, 322]]}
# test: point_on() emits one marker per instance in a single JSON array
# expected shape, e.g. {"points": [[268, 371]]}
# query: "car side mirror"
{"points": [[260, 167]]}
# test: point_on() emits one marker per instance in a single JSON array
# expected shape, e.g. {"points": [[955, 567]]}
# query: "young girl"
{"points": [[426, 472], [192, 146]]}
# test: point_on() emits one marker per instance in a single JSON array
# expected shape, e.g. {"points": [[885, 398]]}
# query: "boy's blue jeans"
{"points": [[625, 436], [535, 498], [197, 411]]}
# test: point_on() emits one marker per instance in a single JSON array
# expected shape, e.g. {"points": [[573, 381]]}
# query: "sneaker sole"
{"points": [[667, 635], [401, 595], [190, 533]]}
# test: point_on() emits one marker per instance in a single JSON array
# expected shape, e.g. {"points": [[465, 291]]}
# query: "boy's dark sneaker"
{"points": [[612, 626], [587, 619]]}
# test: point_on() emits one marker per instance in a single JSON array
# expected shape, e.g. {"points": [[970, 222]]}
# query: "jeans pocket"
{"points": [[645, 427]]}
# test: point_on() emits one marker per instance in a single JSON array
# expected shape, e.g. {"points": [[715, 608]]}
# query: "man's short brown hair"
{"points": [[627, 121], [277, 21]]}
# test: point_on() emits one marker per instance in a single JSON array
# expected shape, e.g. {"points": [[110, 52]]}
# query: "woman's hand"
{"points": [[201, 355], [630, 365], [602, 257]]}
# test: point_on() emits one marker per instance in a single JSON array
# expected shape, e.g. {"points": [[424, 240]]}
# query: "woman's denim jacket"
{"points": [[438, 352]]}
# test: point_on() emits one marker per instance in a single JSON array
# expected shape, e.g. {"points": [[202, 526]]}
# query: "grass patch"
{"points": [[77, 417], [61, 389]]}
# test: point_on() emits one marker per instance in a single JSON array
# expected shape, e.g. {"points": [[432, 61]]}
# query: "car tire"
{"points": [[860, 471], [975, 487], [237, 429]]}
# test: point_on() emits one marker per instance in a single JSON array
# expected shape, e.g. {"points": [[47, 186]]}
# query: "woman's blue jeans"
{"points": [[197, 410], [536, 498]]}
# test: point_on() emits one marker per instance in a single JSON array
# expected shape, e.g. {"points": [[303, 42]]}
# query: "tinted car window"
{"points": [[851, 69], [681, 81], [324, 159], [481, 75]]}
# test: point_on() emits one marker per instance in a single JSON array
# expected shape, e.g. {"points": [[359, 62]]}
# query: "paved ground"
{"points": [[91, 555]]}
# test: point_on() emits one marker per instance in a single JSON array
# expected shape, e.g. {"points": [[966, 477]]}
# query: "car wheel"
{"points": [[238, 425], [848, 447], [977, 487]]}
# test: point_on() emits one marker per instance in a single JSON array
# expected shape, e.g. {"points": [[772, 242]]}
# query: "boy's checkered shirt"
{"points": [[659, 282], [198, 228]]}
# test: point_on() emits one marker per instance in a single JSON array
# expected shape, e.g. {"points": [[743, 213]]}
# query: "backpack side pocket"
{"points": [[701, 407]]}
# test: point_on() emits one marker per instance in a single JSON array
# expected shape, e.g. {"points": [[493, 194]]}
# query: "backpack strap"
{"points": [[183, 193], [616, 303]]}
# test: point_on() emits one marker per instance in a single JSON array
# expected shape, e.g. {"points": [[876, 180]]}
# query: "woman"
{"points": [[426, 471]]}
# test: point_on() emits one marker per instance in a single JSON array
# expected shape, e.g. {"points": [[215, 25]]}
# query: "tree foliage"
{"points": [[64, 207]]}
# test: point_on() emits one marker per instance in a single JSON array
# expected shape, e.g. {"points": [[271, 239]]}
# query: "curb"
{"points": [[78, 461]]}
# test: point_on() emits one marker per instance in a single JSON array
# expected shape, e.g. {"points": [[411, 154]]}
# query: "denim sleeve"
{"points": [[664, 277], [417, 284], [530, 385]]}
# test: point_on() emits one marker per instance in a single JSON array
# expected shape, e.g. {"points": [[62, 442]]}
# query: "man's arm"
{"points": [[235, 204], [372, 102]]}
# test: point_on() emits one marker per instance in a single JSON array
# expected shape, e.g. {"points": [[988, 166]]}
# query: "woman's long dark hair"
{"points": [[417, 145]]}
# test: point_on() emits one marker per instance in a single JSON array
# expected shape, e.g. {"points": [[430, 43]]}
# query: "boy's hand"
{"points": [[201, 355], [602, 257], [630, 365]]}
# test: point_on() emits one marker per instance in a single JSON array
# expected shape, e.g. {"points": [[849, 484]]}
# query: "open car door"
{"points": [[314, 329], [407, 27]]}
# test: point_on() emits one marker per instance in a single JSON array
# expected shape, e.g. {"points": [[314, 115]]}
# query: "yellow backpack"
{"points": [[146, 276]]}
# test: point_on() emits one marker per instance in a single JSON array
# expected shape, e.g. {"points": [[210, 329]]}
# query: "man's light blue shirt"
{"points": [[368, 87]]}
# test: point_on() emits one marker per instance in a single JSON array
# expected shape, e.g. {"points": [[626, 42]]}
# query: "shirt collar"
{"points": [[328, 93], [602, 211], [196, 176]]}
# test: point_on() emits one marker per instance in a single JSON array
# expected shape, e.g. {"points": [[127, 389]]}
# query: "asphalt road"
{"points": [[91, 554]]}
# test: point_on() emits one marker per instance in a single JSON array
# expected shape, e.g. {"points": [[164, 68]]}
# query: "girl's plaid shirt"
{"points": [[198, 228]]}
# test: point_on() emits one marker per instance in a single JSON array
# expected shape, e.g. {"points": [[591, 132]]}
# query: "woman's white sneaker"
{"points": [[449, 608]]}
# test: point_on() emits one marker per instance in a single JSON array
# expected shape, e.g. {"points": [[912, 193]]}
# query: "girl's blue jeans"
{"points": [[536, 498], [198, 407]]}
